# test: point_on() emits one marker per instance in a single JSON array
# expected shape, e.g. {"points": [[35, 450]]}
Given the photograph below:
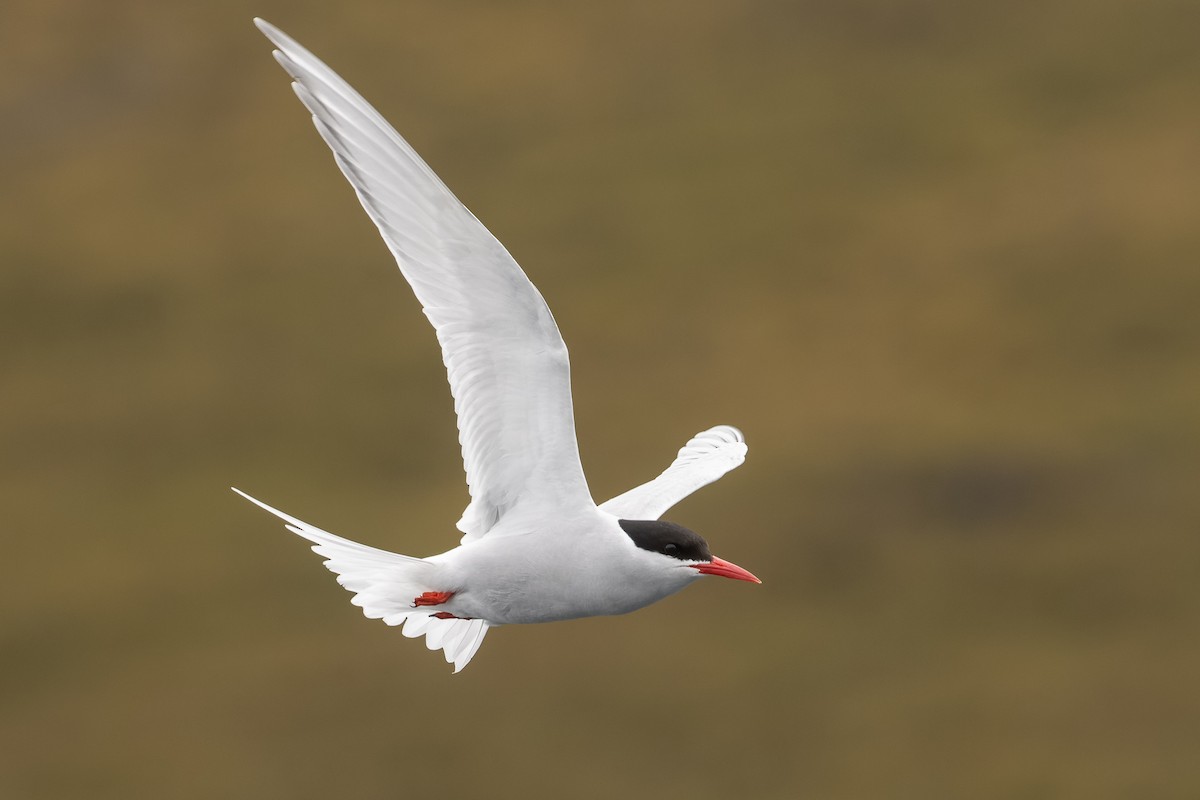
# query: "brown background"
{"points": [[937, 259]]}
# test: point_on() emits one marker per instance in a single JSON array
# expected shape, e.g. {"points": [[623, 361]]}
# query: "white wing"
{"points": [[384, 585], [705, 458], [506, 360]]}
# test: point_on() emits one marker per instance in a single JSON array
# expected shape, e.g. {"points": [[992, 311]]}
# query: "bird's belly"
{"points": [[536, 604], [545, 586], [541, 604]]}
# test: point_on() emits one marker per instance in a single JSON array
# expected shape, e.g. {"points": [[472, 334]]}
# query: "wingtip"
{"points": [[277, 37], [732, 431]]}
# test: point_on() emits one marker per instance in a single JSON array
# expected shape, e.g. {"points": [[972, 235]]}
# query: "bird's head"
{"points": [[674, 546]]}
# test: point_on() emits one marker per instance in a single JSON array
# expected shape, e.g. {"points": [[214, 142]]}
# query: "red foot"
{"points": [[432, 599], [448, 615]]}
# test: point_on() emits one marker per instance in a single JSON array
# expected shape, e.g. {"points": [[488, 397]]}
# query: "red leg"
{"points": [[432, 599]]}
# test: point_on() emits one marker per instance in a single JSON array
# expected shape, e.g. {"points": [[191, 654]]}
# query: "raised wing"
{"points": [[506, 360], [384, 584], [706, 457]]}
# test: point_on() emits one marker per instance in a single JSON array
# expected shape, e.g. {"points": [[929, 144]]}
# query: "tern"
{"points": [[535, 546]]}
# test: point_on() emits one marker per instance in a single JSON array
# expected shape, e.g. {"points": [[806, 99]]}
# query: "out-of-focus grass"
{"points": [[939, 260]]}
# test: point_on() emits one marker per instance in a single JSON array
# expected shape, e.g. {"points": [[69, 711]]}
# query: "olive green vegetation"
{"points": [[939, 260]]}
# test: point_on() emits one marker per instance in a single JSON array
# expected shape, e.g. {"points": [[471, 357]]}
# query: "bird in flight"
{"points": [[535, 546]]}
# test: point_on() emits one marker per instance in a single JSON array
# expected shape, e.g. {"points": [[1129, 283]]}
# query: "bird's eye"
{"points": [[670, 548]]}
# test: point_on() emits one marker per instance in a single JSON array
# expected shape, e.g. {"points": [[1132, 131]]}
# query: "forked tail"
{"points": [[384, 585]]}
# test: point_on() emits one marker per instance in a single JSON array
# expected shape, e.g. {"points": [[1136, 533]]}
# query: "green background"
{"points": [[939, 260]]}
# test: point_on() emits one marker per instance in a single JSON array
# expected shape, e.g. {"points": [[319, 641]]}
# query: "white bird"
{"points": [[536, 548]]}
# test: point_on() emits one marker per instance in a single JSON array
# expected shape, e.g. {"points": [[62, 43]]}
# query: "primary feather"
{"points": [[507, 363], [706, 457]]}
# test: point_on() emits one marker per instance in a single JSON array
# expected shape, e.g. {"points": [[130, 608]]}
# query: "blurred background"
{"points": [[937, 259]]}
